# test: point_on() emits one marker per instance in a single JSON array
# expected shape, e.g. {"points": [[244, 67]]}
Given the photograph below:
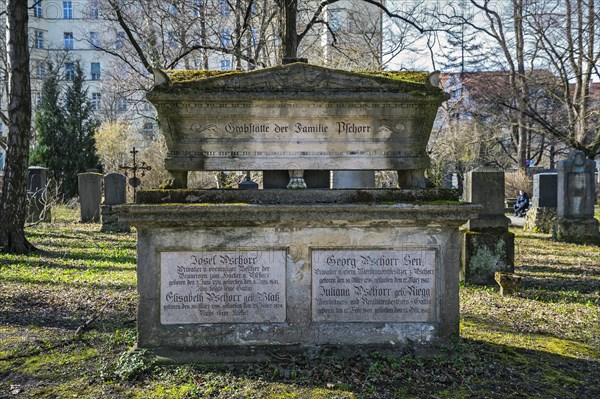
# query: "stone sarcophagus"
{"points": [[242, 275], [296, 117]]}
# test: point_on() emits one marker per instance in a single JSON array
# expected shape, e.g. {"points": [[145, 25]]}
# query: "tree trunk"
{"points": [[13, 202], [290, 41]]}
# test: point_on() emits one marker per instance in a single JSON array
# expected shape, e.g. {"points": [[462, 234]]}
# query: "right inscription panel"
{"points": [[373, 285]]}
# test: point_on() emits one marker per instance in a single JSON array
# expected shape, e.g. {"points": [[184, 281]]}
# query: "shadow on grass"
{"points": [[67, 263], [471, 369]]}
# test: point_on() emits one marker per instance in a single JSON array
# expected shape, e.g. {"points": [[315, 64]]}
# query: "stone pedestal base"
{"points": [[485, 253], [540, 219], [110, 221], [235, 282], [577, 231]]}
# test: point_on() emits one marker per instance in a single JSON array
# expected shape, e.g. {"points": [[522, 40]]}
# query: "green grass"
{"points": [[542, 342]]}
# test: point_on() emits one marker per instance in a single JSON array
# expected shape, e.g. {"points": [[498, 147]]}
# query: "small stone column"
{"points": [[90, 195], [487, 245], [542, 212], [38, 209], [115, 189], [575, 201]]}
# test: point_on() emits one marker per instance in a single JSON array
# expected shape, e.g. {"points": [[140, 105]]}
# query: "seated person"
{"points": [[522, 204]]}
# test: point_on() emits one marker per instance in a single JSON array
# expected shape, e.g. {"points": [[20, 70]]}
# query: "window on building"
{"points": [[456, 93], [93, 11], [224, 8], [120, 40], [38, 9], [148, 129], [121, 105], [275, 36], [95, 103], [69, 71], [1, 152], [225, 37], [68, 40], [335, 20], [94, 40], [197, 7], [67, 9], [39, 39], [254, 36], [225, 65], [41, 69], [95, 71], [173, 9]]}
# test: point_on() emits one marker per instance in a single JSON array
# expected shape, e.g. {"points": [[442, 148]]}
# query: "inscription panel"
{"points": [[373, 285], [222, 287]]}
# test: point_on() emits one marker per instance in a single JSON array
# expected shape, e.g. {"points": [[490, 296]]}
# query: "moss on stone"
{"points": [[178, 76]]}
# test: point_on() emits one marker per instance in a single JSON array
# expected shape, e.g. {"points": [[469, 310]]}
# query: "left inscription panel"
{"points": [[222, 287]]}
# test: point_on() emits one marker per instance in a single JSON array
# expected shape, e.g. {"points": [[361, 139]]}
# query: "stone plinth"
{"points": [[111, 222], [540, 219], [487, 245], [237, 282], [486, 253]]}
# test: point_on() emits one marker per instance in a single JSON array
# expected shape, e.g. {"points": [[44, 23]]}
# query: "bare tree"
{"points": [[568, 35], [13, 201]]}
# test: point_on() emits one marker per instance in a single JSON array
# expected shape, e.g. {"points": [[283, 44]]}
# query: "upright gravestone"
{"points": [[542, 213], [576, 196], [38, 207], [238, 275], [488, 246], [115, 189], [90, 196]]}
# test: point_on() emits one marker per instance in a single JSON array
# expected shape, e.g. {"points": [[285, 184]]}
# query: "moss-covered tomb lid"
{"points": [[297, 77]]}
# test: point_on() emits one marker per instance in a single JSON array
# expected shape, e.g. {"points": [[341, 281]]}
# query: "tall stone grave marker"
{"points": [[38, 209], [115, 190], [576, 196], [542, 213], [488, 247], [90, 196]]}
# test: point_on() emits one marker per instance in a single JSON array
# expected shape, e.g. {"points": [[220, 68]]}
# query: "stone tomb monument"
{"points": [[576, 197], [90, 196], [115, 190], [38, 206], [488, 246], [542, 213], [239, 275]]}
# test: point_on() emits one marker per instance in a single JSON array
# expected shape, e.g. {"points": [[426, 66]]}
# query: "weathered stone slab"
{"points": [[90, 196], [373, 286], [222, 287], [545, 190], [115, 189], [485, 253], [485, 186]]}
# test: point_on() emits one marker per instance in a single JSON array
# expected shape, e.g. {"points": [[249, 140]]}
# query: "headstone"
{"points": [[542, 213], [576, 197], [115, 191], [90, 196], [488, 246], [38, 206]]}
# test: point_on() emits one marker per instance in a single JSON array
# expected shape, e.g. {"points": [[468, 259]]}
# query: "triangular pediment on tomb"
{"points": [[296, 77]]}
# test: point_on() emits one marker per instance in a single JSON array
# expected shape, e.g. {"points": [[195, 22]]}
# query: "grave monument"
{"points": [[488, 246], [576, 197], [542, 213], [240, 275], [115, 190]]}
